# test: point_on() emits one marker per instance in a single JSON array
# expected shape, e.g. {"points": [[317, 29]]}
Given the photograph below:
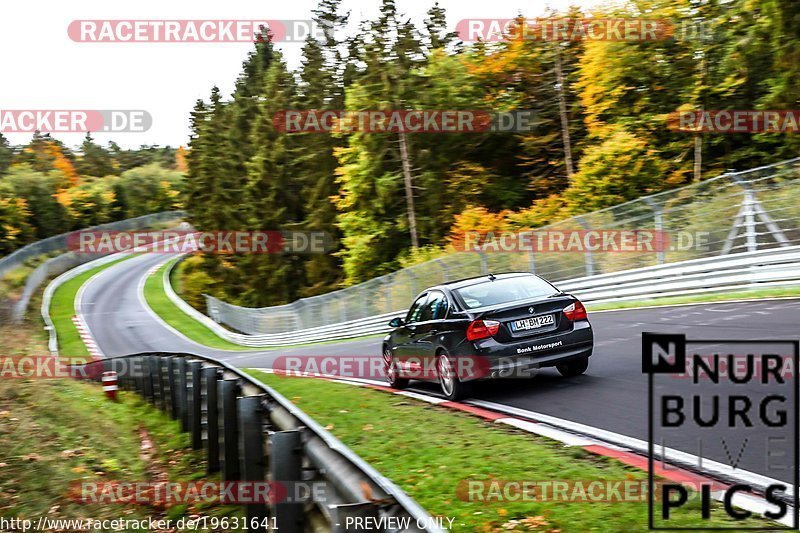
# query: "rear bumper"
{"points": [[521, 359]]}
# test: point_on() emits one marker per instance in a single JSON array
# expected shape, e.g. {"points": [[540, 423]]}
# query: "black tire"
{"points": [[391, 371], [452, 388], [574, 368]]}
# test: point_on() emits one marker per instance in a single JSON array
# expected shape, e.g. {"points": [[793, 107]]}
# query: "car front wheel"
{"points": [[390, 368], [573, 368]]}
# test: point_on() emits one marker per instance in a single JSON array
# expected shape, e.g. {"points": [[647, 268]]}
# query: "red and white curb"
{"points": [[86, 336], [627, 450]]}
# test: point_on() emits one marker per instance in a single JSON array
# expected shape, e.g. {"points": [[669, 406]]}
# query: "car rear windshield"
{"points": [[505, 290]]}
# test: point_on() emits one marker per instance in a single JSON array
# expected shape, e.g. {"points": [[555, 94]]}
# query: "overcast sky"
{"points": [[44, 69]]}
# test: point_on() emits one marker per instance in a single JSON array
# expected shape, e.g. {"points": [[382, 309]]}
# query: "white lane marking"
{"points": [[422, 397], [550, 432]]}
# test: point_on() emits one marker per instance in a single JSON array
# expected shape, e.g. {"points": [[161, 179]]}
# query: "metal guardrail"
{"points": [[66, 261], [738, 211], [250, 432], [770, 268]]}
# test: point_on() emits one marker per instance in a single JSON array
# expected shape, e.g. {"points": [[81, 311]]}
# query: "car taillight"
{"points": [[482, 329], [575, 311]]}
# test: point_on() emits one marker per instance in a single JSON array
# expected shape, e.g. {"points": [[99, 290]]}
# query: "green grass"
{"points": [[62, 309], [428, 450], [160, 303], [55, 433], [777, 292]]}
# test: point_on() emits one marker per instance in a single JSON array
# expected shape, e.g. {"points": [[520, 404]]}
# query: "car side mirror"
{"points": [[396, 322]]}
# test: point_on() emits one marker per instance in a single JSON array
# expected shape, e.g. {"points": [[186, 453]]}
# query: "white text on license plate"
{"points": [[532, 322]]}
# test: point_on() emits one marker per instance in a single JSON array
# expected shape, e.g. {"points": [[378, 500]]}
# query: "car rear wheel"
{"points": [[452, 387], [573, 368], [395, 382]]}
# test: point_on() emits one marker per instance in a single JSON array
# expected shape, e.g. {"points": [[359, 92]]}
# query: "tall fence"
{"points": [[251, 434], [15, 309], [734, 212]]}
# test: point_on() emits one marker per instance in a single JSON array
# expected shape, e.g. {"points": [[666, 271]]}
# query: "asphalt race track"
{"points": [[612, 395]]}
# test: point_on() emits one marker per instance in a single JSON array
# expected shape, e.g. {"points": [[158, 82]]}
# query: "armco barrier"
{"points": [[68, 260], [250, 432], [775, 267]]}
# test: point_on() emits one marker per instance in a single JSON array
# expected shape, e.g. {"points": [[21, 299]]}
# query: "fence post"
{"points": [[252, 454], [210, 378], [286, 465], [445, 269], [658, 223], [484, 263], [195, 405], [588, 258], [228, 390]]}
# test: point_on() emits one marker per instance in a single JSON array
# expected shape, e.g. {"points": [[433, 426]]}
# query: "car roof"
{"points": [[466, 282]]}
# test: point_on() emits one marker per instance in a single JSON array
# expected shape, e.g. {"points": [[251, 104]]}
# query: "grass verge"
{"points": [[159, 302], [428, 451], [62, 309], [55, 433]]}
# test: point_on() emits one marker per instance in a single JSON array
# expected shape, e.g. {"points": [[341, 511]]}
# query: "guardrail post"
{"points": [[195, 405], [182, 396], [147, 369], [286, 465], [228, 390], [252, 453], [210, 378], [172, 364], [137, 368], [163, 382]]}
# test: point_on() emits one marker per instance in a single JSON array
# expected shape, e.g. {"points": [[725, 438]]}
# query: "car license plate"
{"points": [[533, 322]]}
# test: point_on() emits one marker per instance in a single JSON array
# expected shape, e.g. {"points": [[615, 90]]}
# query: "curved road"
{"points": [[611, 396]]}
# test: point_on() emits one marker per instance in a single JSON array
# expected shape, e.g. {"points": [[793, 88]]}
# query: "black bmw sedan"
{"points": [[489, 327]]}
